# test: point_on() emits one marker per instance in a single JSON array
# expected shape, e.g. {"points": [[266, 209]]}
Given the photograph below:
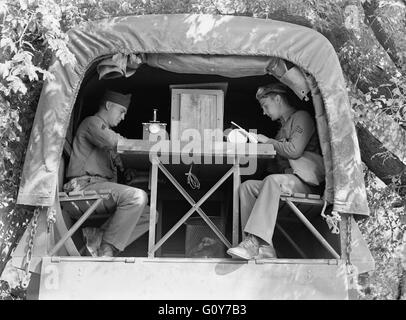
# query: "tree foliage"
{"points": [[30, 33], [369, 38], [384, 233]]}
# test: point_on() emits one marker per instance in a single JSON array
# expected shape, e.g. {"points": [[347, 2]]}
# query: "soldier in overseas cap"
{"points": [[260, 199], [93, 166]]}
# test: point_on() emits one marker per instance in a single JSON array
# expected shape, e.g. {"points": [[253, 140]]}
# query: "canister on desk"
{"points": [[154, 130]]}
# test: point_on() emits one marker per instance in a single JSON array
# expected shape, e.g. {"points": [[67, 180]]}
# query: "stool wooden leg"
{"points": [[76, 226], [236, 188], [313, 230], [159, 227]]}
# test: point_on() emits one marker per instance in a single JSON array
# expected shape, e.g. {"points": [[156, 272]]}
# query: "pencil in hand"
{"points": [[249, 135]]}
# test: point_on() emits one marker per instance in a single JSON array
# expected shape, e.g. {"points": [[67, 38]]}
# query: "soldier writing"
{"points": [[93, 166], [259, 200]]}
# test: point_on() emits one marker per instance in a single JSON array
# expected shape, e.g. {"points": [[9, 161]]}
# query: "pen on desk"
{"points": [[249, 136]]}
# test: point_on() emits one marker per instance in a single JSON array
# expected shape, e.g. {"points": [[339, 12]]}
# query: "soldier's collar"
{"points": [[100, 117], [285, 117]]}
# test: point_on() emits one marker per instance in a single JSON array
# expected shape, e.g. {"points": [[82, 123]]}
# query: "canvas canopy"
{"points": [[210, 44]]}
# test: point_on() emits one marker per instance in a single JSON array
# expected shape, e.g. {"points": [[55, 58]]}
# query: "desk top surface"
{"points": [[176, 147], [178, 156]]}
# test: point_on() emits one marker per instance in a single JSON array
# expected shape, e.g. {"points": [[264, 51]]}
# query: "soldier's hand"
{"points": [[130, 174], [262, 138]]}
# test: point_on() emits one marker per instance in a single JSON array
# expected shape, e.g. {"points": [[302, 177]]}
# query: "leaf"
{"points": [[65, 56], [4, 89], [48, 76], [26, 43], [32, 26], [16, 85], [31, 72], [396, 92], [368, 97], [3, 7], [5, 69], [23, 4], [8, 42]]}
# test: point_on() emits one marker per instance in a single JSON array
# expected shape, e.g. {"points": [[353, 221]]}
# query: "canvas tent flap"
{"points": [[228, 66], [202, 35], [119, 65]]}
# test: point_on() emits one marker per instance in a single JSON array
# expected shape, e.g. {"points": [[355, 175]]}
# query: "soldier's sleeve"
{"points": [[117, 160], [301, 131], [100, 135]]}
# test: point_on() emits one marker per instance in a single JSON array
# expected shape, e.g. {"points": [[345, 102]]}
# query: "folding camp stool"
{"points": [[80, 205], [309, 199]]}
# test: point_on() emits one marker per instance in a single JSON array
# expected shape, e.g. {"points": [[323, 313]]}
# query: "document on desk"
{"points": [[249, 135]]}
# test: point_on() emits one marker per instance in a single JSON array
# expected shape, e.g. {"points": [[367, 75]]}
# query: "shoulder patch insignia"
{"points": [[299, 129]]}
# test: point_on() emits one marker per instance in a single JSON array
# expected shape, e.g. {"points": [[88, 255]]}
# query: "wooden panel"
{"points": [[175, 107], [198, 112], [196, 279], [209, 85], [196, 109], [220, 114]]}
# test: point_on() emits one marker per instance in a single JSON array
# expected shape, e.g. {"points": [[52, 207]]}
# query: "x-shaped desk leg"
{"points": [[236, 189], [195, 207], [152, 216]]}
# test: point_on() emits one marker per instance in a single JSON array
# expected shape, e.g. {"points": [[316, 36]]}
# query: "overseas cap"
{"points": [[116, 97], [271, 88]]}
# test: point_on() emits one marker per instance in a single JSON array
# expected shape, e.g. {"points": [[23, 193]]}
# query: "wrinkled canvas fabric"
{"points": [[309, 167], [232, 66], [233, 46], [119, 65], [294, 78]]}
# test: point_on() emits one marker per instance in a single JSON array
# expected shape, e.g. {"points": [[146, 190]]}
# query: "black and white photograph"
{"points": [[202, 156]]}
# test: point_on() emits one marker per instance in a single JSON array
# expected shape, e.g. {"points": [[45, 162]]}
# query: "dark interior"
{"points": [[150, 89]]}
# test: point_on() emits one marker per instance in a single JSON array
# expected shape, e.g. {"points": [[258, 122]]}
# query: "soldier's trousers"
{"points": [[259, 202], [129, 213]]}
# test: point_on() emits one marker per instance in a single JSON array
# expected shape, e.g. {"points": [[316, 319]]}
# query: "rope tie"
{"points": [[192, 180], [332, 221]]}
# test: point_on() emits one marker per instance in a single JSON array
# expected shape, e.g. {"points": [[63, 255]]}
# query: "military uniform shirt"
{"points": [[93, 150], [297, 134]]}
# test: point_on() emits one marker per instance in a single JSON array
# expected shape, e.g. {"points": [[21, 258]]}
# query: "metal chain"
{"points": [[28, 256], [351, 269], [348, 241]]}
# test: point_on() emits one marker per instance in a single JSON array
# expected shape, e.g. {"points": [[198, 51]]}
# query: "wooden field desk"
{"points": [[142, 154]]}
